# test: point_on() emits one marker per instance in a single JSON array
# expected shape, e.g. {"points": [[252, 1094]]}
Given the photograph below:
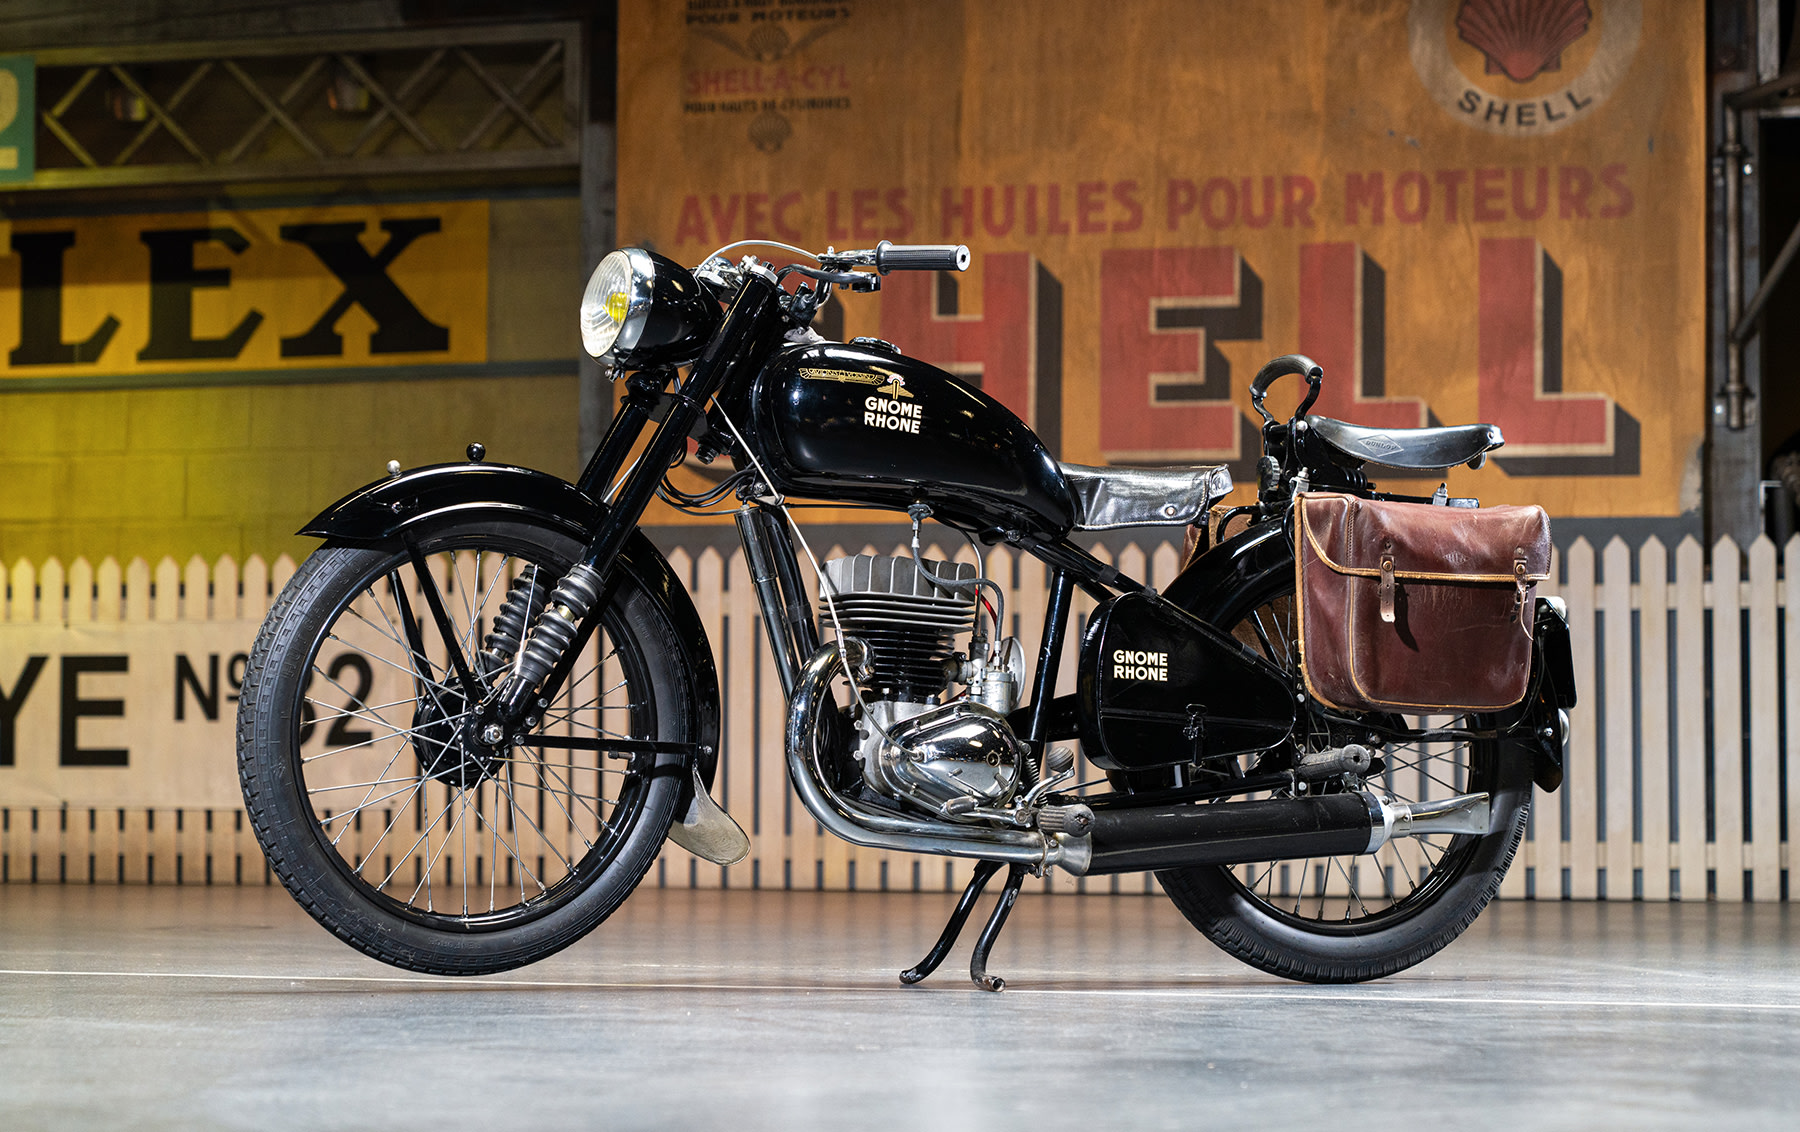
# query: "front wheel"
{"points": [[382, 810], [1352, 918]]}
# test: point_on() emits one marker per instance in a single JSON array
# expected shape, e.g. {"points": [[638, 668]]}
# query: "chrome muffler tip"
{"points": [[1464, 813]]}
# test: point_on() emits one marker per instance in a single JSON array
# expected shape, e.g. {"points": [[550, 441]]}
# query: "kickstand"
{"points": [[984, 872], [1015, 876]]}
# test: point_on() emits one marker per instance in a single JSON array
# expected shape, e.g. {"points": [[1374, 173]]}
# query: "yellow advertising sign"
{"points": [[244, 290], [1464, 210]]}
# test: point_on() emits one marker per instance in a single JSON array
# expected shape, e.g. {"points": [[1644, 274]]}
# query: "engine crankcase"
{"points": [[946, 756]]}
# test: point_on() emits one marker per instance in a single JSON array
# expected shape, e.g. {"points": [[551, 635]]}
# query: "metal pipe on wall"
{"points": [[1731, 150]]}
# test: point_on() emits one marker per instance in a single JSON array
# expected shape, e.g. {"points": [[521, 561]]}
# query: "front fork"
{"points": [[573, 609]]}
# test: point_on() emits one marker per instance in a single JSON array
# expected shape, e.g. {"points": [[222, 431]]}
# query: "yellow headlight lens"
{"points": [[616, 302]]}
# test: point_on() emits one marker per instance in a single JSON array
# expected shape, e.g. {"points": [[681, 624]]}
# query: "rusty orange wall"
{"points": [[1461, 218]]}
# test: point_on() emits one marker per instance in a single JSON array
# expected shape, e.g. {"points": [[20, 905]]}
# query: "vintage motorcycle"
{"points": [[474, 715]]}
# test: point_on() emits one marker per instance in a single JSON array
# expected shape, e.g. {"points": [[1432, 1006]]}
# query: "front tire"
{"points": [[387, 821], [1350, 919]]}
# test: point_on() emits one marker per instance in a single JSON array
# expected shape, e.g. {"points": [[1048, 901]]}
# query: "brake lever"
{"points": [[859, 281]]}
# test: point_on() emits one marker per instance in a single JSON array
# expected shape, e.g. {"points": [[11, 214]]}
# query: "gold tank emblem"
{"points": [[891, 384]]}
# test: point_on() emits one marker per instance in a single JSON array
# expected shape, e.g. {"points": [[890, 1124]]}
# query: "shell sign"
{"points": [[1504, 66], [1463, 209]]}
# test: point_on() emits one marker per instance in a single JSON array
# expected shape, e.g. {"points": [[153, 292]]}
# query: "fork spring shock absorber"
{"points": [[561, 620], [523, 602]]}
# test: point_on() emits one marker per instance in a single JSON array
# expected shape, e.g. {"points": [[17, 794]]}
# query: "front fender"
{"points": [[384, 511], [377, 512]]}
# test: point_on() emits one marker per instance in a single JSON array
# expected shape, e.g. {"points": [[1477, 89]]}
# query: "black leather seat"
{"points": [[1415, 449]]}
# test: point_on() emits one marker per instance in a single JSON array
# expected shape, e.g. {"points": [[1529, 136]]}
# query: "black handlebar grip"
{"points": [[921, 257]]}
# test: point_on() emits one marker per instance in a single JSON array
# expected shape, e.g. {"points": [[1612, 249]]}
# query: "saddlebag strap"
{"points": [[1410, 607], [1386, 589]]}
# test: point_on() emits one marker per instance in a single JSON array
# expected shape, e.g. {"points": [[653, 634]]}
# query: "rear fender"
{"points": [[1547, 715], [383, 512], [1206, 587]]}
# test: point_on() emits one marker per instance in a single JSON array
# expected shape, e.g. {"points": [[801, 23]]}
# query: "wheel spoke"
{"points": [[567, 865], [409, 780], [1419, 765], [546, 768], [1262, 635], [428, 680], [1349, 882], [411, 733], [518, 858]]}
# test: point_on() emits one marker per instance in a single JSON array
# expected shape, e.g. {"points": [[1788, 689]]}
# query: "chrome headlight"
{"points": [[642, 309], [617, 302]]}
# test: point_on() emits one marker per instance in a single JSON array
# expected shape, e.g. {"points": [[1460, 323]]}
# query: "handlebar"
{"points": [[885, 257]]}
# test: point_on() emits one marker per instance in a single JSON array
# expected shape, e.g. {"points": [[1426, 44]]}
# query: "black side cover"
{"points": [[1159, 687]]}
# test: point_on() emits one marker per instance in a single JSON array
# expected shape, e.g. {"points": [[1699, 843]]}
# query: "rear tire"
{"points": [[1349, 919]]}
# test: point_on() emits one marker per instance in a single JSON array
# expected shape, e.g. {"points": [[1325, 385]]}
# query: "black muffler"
{"points": [[1128, 840]]}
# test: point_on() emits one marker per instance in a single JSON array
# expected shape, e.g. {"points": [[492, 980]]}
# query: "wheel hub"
{"points": [[461, 752]]}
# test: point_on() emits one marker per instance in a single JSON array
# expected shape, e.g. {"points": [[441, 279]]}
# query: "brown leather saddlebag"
{"points": [[1417, 608]]}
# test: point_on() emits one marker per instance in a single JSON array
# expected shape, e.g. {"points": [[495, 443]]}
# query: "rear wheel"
{"points": [[1352, 918], [379, 806]]}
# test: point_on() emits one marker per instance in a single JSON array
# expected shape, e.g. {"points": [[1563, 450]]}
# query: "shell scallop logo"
{"points": [[1522, 67]]}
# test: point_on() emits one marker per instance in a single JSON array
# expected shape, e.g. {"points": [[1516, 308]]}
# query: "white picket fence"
{"points": [[1675, 786]]}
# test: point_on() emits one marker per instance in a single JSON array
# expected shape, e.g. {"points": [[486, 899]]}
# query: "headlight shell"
{"points": [[617, 302], [642, 309]]}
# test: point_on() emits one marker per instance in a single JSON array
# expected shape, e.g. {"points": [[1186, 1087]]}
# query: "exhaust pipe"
{"points": [[861, 825], [1125, 839], [1240, 833]]}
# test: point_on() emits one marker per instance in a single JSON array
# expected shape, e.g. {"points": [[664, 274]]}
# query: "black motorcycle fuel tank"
{"points": [[869, 425], [1158, 686]]}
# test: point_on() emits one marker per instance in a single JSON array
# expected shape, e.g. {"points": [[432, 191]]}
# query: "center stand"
{"points": [[984, 944]]}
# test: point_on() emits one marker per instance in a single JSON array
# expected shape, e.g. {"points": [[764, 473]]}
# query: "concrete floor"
{"points": [[227, 1008]]}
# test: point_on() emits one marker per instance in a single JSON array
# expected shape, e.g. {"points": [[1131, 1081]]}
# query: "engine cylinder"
{"points": [[909, 623]]}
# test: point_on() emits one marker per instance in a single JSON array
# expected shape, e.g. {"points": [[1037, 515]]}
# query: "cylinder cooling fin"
{"points": [[909, 624]]}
